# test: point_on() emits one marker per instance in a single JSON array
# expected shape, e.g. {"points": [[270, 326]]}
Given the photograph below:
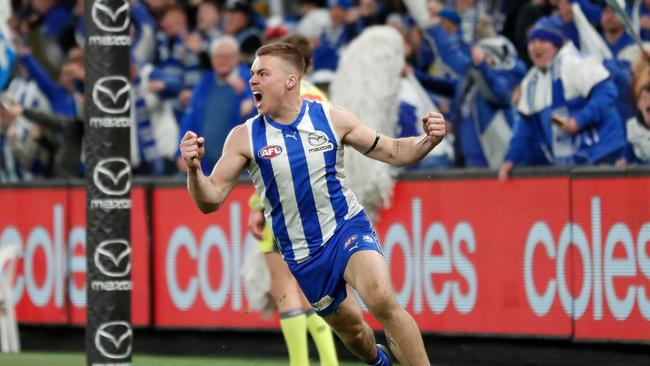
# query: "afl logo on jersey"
{"points": [[269, 152]]}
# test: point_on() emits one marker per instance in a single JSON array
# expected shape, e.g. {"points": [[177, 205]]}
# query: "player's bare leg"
{"points": [[347, 322], [367, 273]]}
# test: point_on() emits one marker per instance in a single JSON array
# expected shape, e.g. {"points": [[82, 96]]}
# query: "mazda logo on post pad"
{"points": [[114, 339], [111, 94], [113, 257], [112, 176], [111, 16]]}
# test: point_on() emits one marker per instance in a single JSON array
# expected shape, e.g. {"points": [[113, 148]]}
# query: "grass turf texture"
{"points": [[79, 359]]}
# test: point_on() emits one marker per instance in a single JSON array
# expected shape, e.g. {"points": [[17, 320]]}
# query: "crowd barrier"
{"points": [[550, 253]]}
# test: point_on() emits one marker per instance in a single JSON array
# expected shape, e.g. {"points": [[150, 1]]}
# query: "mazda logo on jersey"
{"points": [[113, 257], [269, 152], [111, 15], [114, 339], [111, 94], [317, 138], [112, 176]]}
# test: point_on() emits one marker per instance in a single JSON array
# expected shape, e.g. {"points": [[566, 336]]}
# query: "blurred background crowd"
{"points": [[521, 83]]}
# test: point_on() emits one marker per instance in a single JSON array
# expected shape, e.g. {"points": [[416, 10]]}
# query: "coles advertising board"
{"points": [[50, 225], [470, 256], [553, 257]]}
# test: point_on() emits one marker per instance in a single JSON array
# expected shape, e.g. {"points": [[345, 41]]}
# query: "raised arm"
{"points": [[398, 152], [209, 192]]}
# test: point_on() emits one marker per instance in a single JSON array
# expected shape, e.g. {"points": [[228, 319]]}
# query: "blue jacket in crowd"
{"points": [[580, 87], [483, 98]]}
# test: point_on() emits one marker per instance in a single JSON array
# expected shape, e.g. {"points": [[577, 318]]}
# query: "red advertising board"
{"points": [[457, 253], [35, 218], [613, 271], [554, 257], [198, 261], [50, 225]]}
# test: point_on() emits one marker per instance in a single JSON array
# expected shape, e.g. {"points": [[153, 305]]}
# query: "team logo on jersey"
{"points": [[319, 142], [269, 152], [317, 138]]}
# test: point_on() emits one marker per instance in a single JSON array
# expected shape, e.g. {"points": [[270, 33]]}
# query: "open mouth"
{"points": [[258, 98]]}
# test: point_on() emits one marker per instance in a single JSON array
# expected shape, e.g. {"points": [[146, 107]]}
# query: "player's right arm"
{"points": [[209, 192]]}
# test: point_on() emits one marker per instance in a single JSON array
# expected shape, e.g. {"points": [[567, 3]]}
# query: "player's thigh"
{"points": [[367, 273], [347, 318]]}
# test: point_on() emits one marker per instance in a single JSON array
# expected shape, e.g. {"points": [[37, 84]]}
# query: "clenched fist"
{"points": [[192, 150], [434, 127]]}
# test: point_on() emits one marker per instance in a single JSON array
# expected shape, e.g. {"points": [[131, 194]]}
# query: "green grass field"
{"points": [[79, 359]]}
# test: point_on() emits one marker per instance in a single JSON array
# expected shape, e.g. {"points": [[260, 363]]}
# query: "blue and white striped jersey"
{"points": [[297, 170]]}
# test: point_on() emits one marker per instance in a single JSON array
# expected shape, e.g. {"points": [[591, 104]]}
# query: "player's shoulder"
{"points": [[238, 139], [342, 117]]}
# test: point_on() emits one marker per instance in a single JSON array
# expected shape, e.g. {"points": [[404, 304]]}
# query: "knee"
{"points": [[357, 332], [384, 308]]}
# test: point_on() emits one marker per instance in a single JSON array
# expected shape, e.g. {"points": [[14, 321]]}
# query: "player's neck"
{"points": [[288, 111]]}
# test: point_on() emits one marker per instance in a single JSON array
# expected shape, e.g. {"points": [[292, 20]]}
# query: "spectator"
{"points": [[640, 73], [340, 32], [449, 24], [63, 96], [640, 11], [153, 137], [563, 19], [624, 51], [174, 55], [520, 18], [143, 47], [576, 92], [314, 21], [44, 23], [18, 146], [67, 134], [482, 114], [208, 19], [220, 101], [637, 150], [239, 22]]}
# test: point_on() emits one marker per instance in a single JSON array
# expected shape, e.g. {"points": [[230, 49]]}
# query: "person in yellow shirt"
{"points": [[296, 315]]}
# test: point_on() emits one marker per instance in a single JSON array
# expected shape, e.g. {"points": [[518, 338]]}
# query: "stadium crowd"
{"points": [[521, 83]]}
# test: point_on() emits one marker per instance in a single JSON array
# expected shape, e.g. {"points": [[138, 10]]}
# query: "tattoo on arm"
{"points": [[396, 148]]}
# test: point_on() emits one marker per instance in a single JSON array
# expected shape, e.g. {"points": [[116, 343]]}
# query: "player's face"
{"points": [[268, 82]]}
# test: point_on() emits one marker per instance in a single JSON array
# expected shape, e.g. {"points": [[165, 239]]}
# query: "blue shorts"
{"points": [[321, 276]]}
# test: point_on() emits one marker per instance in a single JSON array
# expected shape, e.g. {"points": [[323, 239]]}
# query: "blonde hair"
{"points": [[286, 52]]}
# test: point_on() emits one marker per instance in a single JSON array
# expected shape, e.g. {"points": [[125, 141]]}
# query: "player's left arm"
{"points": [[398, 152]]}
